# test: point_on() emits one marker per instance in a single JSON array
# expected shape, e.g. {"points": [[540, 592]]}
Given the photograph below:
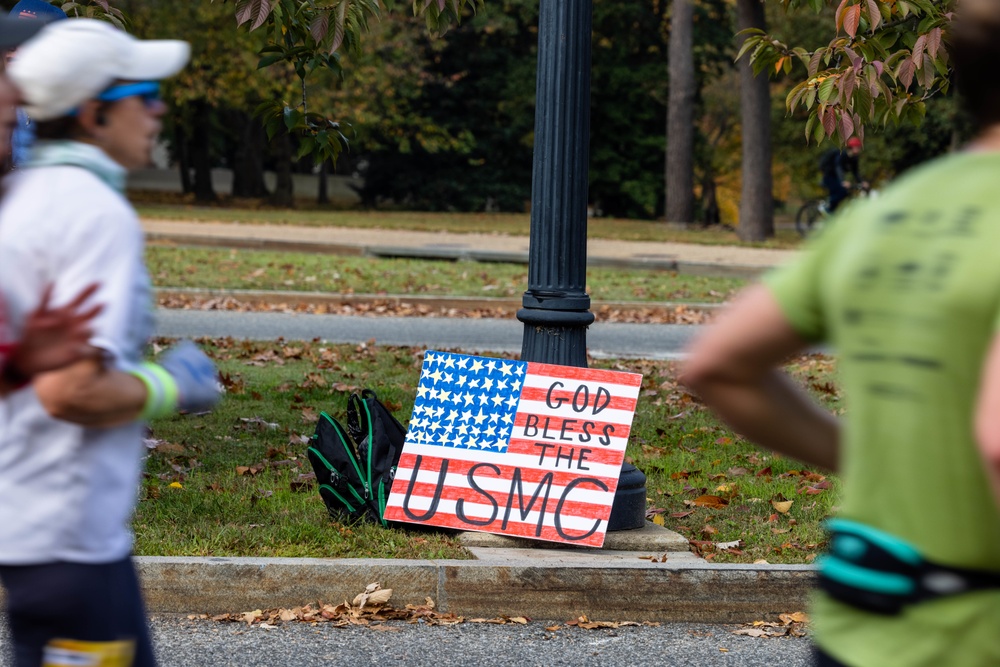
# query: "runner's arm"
{"points": [[91, 394], [987, 425], [733, 367]]}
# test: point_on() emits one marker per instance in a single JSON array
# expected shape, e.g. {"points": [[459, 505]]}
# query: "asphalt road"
{"points": [[645, 341], [183, 643]]}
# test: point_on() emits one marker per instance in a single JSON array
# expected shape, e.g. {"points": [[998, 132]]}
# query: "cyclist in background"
{"points": [[835, 165]]}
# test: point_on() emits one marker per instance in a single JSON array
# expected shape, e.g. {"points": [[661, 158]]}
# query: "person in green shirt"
{"points": [[906, 289]]}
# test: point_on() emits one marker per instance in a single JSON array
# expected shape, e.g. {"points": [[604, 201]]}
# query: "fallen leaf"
{"points": [[714, 502], [782, 506]]}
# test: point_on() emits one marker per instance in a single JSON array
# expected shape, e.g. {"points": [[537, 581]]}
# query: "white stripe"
{"points": [[565, 411]]}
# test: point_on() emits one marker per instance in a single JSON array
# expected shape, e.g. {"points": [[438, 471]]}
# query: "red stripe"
{"points": [[540, 395], [529, 475], [515, 529], [585, 374]]}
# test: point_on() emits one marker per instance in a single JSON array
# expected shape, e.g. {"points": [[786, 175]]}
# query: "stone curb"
{"points": [[549, 588]]}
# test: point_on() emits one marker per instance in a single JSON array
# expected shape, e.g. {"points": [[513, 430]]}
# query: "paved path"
{"points": [[642, 341], [184, 643], [684, 257]]}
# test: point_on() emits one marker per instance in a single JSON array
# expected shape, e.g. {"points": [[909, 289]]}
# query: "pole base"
{"points": [[628, 512]]}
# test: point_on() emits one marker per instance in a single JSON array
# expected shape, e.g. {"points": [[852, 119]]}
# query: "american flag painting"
{"points": [[512, 447]]}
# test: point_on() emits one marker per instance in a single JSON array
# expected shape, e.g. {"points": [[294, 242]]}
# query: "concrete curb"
{"points": [[550, 588]]}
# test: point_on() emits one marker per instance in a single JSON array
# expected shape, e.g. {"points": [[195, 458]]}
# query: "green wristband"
{"points": [[161, 391]]}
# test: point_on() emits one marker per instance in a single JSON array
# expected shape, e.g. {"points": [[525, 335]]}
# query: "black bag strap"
{"points": [[879, 572]]}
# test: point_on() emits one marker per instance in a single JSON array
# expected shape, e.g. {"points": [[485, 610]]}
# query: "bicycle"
{"points": [[818, 210]]}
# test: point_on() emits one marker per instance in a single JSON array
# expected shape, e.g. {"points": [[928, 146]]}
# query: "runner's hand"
{"points": [[197, 379], [55, 337]]}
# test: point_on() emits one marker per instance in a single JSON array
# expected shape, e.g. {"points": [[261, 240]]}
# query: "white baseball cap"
{"points": [[72, 61]]}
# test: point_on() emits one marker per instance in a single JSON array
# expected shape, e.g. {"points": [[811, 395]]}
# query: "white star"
{"points": [[480, 418], [449, 361], [468, 399], [452, 415], [431, 359], [491, 365], [515, 385], [490, 432], [507, 418], [473, 383], [422, 390], [512, 401], [501, 385], [461, 380], [467, 416], [463, 362], [488, 383], [463, 429], [494, 417], [505, 368], [497, 399], [477, 366], [484, 399], [444, 396], [449, 378], [435, 376]]}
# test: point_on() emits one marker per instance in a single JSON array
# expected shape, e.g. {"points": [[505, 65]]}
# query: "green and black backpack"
{"points": [[355, 466]]}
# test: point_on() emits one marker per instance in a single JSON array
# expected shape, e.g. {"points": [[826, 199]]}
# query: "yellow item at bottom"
{"points": [[74, 653]]}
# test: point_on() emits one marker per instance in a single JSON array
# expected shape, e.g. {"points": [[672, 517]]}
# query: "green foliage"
{"points": [[886, 60], [308, 36]]}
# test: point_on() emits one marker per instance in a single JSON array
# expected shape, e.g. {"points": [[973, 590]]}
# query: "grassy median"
{"points": [[214, 268], [236, 482]]}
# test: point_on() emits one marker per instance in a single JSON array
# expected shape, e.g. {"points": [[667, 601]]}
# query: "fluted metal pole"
{"points": [[556, 307]]}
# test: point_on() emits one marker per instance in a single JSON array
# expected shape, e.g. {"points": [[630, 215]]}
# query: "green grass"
{"points": [[170, 266], [466, 223], [238, 468]]}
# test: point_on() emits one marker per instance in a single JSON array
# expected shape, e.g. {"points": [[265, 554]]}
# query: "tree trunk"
{"points": [[323, 196], [680, 115], [284, 194], [248, 158], [757, 198], [201, 158], [183, 158], [709, 200]]}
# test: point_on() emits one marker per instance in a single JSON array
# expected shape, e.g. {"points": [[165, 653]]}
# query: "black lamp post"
{"points": [[556, 310]]}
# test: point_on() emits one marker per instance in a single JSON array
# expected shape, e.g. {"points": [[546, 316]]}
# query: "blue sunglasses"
{"points": [[149, 91]]}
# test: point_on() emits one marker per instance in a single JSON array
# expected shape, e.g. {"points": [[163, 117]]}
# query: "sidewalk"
{"points": [[640, 575], [735, 261]]}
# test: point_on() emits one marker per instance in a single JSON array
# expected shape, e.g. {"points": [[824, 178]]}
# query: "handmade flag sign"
{"points": [[516, 448]]}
